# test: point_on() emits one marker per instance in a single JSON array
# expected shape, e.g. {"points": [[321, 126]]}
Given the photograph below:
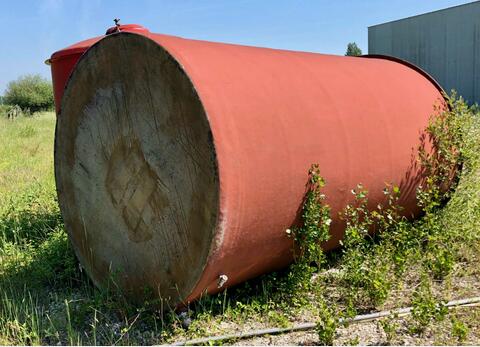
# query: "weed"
{"points": [[390, 327], [364, 267], [308, 239], [459, 329], [425, 308], [315, 227], [327, 324], [354, 341]]}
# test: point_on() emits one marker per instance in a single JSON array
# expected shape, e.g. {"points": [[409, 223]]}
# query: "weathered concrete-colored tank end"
{"points": [[181, 162]]}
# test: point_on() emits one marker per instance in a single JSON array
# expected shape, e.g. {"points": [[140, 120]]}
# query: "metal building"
{"points": [[445, 43]]}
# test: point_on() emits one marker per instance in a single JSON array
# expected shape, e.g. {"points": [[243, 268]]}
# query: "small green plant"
{"points": [[390, 327], [425, 308], [315, 228], [459, 329], [439, 259], [358, 219], [364, 267], [327, 324], [354, 341], [309, 236]]}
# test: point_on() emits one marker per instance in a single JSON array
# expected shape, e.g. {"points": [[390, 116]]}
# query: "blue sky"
{"points": [[33, 29]]}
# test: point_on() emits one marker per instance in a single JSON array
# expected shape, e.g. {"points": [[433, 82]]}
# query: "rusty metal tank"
{"points": [[180, 163]]}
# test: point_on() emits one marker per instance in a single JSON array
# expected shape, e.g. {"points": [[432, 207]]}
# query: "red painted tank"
{"points": [[266, 116]]}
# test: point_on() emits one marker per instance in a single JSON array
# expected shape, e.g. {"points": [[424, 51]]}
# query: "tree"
{"points": [[353, 50], [30, 92]]}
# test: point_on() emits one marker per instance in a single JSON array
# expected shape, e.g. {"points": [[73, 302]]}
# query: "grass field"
{"points": [[45, 298]]}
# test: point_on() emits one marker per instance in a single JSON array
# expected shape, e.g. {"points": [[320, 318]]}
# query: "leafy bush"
{"points": [[426, 308], [308, 237], [327, 324], [316, 221], [459, 329], [31, 92]]}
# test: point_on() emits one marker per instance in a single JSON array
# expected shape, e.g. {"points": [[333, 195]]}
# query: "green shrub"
{"points": [[316, 222], [32, 93], [389, 327], [425, 307], [327, 324], [459, 329], [309, 236]]}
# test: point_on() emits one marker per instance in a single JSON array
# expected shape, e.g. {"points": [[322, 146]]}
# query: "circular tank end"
{"points": [[136, 170]]}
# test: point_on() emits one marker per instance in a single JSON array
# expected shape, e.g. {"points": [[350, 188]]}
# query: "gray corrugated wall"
{"points": [[444, 43]]}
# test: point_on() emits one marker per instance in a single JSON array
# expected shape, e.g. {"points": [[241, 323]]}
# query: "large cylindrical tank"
{"points": [[180, 162]]}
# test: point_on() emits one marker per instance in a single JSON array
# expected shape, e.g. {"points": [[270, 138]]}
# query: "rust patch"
{"points": [[134, 189]]}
